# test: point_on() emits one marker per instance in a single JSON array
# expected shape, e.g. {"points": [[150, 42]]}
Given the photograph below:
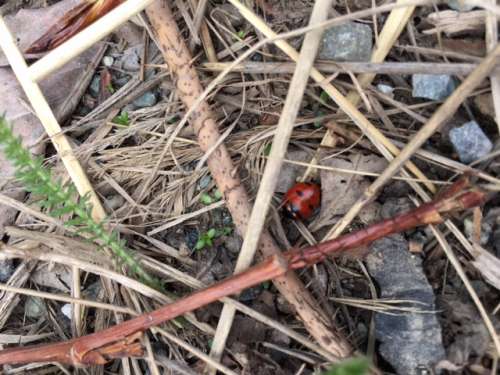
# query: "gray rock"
{"points": [[131, 60], [410, 340], [6, 270], [108, 61], [432, 86], [470, 142], [459, 5], [34, 307], [204, 182], [95, 86], [386, 89], [348, 42], [148, 99], [67, 310]]}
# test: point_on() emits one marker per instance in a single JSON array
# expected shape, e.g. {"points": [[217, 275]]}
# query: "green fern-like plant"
{"points": [[58, 199]]}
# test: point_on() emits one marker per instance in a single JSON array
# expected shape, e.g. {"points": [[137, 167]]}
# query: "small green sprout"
{"points": [[122, 119], [241, 34], [110, 88], [206, 239], [207, 199], [352, 366], [217, 195]]}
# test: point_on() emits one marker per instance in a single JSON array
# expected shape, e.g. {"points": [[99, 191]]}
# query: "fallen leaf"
{"points": [[341, 190], [21, 24]]}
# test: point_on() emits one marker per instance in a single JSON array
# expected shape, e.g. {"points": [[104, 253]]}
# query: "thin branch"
{"points": [[403, 68]]}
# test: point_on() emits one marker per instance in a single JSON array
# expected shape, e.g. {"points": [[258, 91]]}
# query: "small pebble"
{"points": [[108, 61], [148, 99], [130, 60], [486, 230], [460, 5], [470, 142], [95, 86], [34, 307], [432, 86], [348, 42], [67, 310], [385, 89], [204, 182]]}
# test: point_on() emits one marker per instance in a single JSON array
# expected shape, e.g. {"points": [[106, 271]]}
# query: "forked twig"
{"points": [[122, 339]]}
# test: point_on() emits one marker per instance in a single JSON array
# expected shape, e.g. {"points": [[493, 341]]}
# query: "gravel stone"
{"points": [[432, 86], [470, 142], [348, 42]]}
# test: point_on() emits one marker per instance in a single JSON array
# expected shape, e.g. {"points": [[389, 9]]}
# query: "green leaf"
{"points": [[122, 119], [200, 244], [206, 199], [217, 194], [211, 233], [241, 34], [352, 366]]}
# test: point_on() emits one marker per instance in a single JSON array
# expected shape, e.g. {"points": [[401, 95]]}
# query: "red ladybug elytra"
{"points": [[302, 200]]}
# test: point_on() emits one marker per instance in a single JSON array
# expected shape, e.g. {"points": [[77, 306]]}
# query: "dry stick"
{"points": [[254, 67], [445, 111], [122, 340], [385, 146], [272, 170], [222, 169]]}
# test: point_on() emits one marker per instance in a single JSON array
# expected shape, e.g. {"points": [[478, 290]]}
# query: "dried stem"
{"points": [[121, 340]]}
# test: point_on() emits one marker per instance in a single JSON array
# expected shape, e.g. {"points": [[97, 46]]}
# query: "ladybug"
{"points": [[302, 200]]}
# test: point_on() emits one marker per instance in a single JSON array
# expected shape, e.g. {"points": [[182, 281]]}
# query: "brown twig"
{"points": [[189, 88], [122, 339]]}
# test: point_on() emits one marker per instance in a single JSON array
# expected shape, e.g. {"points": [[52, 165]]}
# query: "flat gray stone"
{"points": [[432, 86], [409, 341], [148, 99], [348, 42], [470, 142]]}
